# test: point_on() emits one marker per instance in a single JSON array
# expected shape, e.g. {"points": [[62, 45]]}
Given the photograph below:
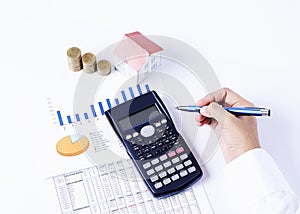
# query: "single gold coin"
{"points": [[104, 67], [74, 53], [89, 62]]}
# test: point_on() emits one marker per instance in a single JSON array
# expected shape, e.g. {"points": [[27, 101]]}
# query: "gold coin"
{"points": [[104, 67], [74, 53]]}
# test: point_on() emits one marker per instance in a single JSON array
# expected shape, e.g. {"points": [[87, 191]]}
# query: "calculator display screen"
{"points": [[139, 118]]}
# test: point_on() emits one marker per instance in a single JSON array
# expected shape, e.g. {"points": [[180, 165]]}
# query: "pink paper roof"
{"points": [[135, 48]]}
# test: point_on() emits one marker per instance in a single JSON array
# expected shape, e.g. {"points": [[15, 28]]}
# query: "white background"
{"points": [[253, 47]]}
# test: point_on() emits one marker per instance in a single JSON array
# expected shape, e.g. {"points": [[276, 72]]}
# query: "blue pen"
{"points": [[245, 111]]}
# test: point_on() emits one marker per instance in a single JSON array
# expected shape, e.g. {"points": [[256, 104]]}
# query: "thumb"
{"points": [[214, 110]]}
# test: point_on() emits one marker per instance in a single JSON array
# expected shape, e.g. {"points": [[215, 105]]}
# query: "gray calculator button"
{"points": [[135, 134], [192, 169], [171, 170], [163, 121], [167, 181], [128, 137], [184, 156], [155, 161], [147, 131], [179, 167], [175, 160], [150, 172], [163, 157], [154, 178], [167, 164], [158, 185], [187, 163], [183, 173], [158, 124], [175, 177], [163, 174], [158, 168], [147, 165]]}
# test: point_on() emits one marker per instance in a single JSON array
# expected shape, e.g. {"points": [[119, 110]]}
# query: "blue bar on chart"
{"points": [[108, 103], [69, 119], [61, 123], [101, 108], [117, 101], [86, 116], [147, 88], [77, 117], [139, 89], [93, 111], [124, 96], [131, 92]]}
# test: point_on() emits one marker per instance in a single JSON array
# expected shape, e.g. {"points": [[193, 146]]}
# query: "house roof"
{"points": [[134, 49]]}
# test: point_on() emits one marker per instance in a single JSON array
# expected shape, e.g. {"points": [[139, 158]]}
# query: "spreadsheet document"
{"points": [[117, 187]]}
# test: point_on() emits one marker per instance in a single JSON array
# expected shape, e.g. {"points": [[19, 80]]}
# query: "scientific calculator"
{"points": [[159, 152]]}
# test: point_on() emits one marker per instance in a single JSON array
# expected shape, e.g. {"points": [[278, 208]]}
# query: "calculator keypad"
{"points": [[165, 160]]}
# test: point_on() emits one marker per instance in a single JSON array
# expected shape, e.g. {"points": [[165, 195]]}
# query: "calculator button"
{"points": [[128, 137], [171, 170], [153, 147], [175, 177], [192, 169], [155, 161], [158, 124], [150, 172], [146, 150], [146, 165], [163, 121], [175, 160], [179, 150], [179, 167], [184, 156], [156, 152], [135, 134], [158, 168], [163, 174], [149, 156], [147, 131], [183, 173], [158, 185], [139, 152], [187, 163], [167, 164], [154, 178], [171, 154], [163, 157], [167, 181]]}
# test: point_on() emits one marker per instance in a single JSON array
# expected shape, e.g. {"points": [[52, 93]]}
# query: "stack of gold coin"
{"points": [[74, 59], [89, 62], [104, 67]]}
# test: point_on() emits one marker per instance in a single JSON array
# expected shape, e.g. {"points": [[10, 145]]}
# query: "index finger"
{"points": [[225, 97]]}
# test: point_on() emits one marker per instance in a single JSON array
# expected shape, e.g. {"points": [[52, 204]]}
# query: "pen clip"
{"points": [[254, 107]]}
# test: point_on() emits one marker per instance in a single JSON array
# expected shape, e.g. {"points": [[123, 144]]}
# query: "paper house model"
{"points": [[136, 55]]}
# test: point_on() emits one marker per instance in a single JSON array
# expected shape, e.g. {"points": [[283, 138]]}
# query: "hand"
{"points": [[236, 135]]}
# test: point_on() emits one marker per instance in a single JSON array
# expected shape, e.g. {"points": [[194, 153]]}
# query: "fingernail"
{"points": [[203, 109]]}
